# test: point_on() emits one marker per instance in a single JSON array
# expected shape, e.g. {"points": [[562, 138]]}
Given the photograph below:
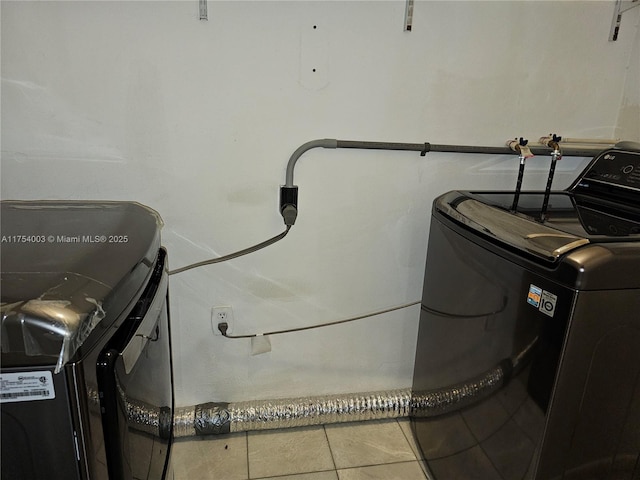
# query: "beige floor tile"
{"points": [[288, 452], [221, 457], [405, 425], [332, 475], [368, 443], [390, 471]]}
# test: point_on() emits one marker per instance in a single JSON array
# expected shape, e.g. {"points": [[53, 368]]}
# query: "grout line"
{"points": [[409, 441], [288, 475], [384, 464], [398, 462], [414, 445], [246, 439], [333, 460]]}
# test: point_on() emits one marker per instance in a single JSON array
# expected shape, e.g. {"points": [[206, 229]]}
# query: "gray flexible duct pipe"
{"points": [[219, 418]]}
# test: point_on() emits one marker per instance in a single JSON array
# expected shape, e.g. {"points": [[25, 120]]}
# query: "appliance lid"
{"points": [[69, 268], [570, 222], [508, 227]]}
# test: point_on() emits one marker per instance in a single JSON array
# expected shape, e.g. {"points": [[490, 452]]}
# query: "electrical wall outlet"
{"points": [[222, 314]]}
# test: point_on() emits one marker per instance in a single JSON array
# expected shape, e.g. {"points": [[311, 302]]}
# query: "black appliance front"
{"points": [[39, 440], [80, 279], [471, 324], [528, 354], [135, 387]]}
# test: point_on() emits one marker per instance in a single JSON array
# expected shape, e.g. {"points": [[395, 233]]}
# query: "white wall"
{"points": [[197, 119], [628, 125]]}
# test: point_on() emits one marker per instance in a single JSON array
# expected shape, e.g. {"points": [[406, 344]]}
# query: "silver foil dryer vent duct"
{"points": [[217, 418], [439, 402]]}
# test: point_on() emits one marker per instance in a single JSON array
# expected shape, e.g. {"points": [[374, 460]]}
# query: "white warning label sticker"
{"points": [[26, 386]]}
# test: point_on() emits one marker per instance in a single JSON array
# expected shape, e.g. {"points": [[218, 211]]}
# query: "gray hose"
{"points": [[233, 255], [324, 143], [423, 148]]}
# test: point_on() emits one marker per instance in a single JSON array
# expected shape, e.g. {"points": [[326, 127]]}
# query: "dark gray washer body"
{"points": [[557, 303]]}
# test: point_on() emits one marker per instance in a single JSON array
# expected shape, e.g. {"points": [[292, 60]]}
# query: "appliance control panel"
{"points": [[616, 168], [607, 193]]}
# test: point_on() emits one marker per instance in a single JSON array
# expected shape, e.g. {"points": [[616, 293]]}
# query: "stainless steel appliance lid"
{"points": [[508, 227], [570, 223], [68, 267]]}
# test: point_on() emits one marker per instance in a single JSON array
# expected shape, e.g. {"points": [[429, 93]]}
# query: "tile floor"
{"points": [[380, 449]]}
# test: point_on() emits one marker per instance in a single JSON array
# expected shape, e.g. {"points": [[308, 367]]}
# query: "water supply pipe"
{"points": [[520, 147], [553, 142], [289, 191]]}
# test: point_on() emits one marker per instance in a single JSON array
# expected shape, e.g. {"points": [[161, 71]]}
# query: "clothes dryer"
{"points": [[86, 380]]}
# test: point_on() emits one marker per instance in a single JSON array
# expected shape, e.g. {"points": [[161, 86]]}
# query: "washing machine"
{"points": [[528, 354], [86, 384]]}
